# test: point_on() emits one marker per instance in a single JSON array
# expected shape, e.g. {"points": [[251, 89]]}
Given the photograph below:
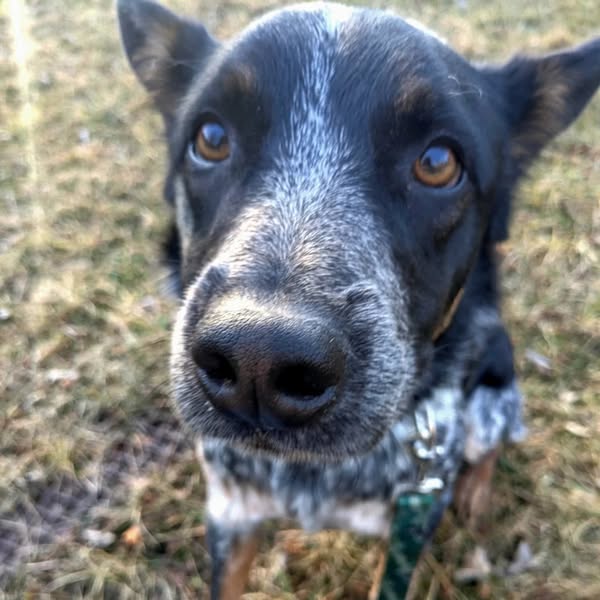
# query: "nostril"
{"points": [[216, 367], [219, 369], [302, 381]]}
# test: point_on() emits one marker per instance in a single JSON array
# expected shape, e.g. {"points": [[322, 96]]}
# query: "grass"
{"points": [[88, 446]]}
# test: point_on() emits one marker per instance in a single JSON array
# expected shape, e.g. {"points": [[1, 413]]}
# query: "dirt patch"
{"points": [[63, 509]]}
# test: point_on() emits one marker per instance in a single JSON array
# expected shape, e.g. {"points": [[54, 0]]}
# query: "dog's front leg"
{"points": [[236, 505], [232, 550], [473, 490]]}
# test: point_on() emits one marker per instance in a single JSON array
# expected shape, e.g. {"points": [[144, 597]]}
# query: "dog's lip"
{"points": [[247, 425], [264, 426], [279, 445], [302, 444], [260, 437]]}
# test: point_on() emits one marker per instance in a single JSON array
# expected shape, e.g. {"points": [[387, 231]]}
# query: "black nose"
{"points": [[276, 371]]}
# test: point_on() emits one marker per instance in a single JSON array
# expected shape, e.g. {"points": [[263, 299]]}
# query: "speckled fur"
{"points": [[317, 216], [359, 493]]}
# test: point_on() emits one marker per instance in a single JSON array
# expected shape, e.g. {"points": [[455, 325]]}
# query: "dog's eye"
{"points": [[438, 166], [211, 143]]}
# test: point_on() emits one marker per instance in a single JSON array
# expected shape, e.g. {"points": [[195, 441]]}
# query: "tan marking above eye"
{"points": [[438, 166], [212, 143]]}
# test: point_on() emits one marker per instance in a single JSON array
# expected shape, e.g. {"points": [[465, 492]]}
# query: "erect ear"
{"points": [[164, 50], [541, 96], [536, 98]]}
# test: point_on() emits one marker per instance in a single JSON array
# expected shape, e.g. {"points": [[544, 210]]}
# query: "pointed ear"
{"points": [[540, 97], [165, 51]]}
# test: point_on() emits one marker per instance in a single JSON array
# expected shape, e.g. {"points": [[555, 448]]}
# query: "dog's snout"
{"points": [[275, 371]]}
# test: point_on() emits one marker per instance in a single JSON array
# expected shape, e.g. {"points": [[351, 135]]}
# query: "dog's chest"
{"points": [[243, 491], [243, 505]]}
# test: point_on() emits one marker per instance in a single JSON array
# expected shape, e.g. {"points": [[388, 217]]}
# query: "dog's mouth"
{"points": [[349, 426], [333, 438]]}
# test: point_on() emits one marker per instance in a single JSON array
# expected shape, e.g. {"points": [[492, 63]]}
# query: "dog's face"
{"points": [[334, 172]]}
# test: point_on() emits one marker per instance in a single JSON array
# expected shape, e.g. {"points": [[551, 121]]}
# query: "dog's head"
{"points": [[334, 174]]}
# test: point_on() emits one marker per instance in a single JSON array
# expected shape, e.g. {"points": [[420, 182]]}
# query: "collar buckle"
{"points": [[426, 450]]}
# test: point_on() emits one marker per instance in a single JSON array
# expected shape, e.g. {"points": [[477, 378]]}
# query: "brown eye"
{"points": [[211, 142], [438, 167]]}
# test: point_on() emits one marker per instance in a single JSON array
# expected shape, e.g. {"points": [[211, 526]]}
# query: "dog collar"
{"points": [[417, 512], [445, 429], [417, 515]]}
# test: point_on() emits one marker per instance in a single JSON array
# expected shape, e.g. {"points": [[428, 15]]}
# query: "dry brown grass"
{"points": [[86, 438]]}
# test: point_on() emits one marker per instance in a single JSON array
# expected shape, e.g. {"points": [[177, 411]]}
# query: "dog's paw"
{"points": [[493, 415]]}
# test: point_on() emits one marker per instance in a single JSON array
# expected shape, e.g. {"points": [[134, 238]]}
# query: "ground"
{"points": [[100, 495]]}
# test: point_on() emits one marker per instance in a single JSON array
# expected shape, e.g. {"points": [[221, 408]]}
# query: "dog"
{"points": [[339, 179]]}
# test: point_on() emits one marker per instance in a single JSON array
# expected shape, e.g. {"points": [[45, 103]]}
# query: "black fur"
{"points": [[317, 214]]}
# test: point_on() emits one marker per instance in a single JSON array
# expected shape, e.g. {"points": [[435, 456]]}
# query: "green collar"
{"points": [[409, 534], [417, 513]]}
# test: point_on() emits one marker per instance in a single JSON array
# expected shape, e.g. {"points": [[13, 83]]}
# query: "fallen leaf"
{"points": [[149, 304], [477, 567], [98, 538], [132, 536], [63, 376], [539, 361], [84, 135], [568, 397], [578, 430], [524, 560]]}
